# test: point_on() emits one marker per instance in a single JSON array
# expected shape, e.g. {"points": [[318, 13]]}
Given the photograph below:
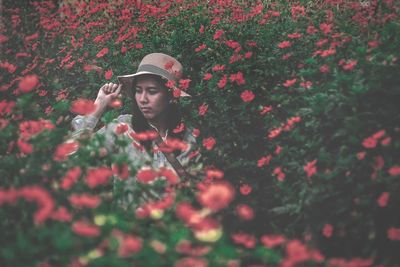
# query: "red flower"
{"points": [[203, 109], [274, 133], [294, 35], [184, 84], [70, 178], [222, 82], [108, 74], [394, 171], [144, 136], [247, 96], [214, 174], [238, 78], [61, 215], [216, 196], [284, 44], [265, 110], [121, 128], [200, 48], [129, 245], [43, 200], [271, 241], [245, 212], [324, 69], [146, 175], [98, 176], [289, 83], [393, 233], [191, 262], [247, 240], [327, 230], [179, 128], [280, 175], [102, 52], [245, 189], [383, 199], [207, 76], [85, 229], [122, 171], [28, 83], [169, 174], [325, 28], [310, 168], [209, 143], [186, 247], [25, 147], [83, 106], [386, 141], [361, 155], [218, 34], [350, 65], [84, 201], [369, 142], [64, 150], [218, 68]]}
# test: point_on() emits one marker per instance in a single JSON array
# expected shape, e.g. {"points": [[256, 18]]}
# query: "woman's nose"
{"points": [[143, 97]]}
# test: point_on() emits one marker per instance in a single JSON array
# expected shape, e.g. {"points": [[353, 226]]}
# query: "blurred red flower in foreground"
{"points": [[84, 201], [216, 196], [245, 212], [393, 233], [28, 83], [85, 229], [83, 106], [271, 241], [70, 178], [98, 176], [64, 150]]}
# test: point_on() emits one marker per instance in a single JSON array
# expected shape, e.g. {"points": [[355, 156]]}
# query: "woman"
{"points": [[154, 108]]}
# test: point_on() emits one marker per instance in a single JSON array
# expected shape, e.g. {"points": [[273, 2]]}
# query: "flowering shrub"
{"points": [[295, 108]]}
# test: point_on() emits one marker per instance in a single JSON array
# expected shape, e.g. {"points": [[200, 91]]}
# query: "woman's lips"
{"points": [[145, 109]]}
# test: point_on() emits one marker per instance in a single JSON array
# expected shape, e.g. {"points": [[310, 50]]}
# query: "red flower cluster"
{"points": [[70, 178], [372, 141], [28, 83], [128, 244], [245, 212], [297, 253], [216, 196], [209, 143], [238, 78], [171, 144], [247, 96], [84, 201], [247, 240], [27, 129], [98, 176], [85, 229], [64, 150], [83, 106], [35, 194], [144, 136], [310, 168], [271, 241]]}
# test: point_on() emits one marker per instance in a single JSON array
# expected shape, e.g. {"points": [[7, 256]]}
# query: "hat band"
{"points": [[157, 71]]}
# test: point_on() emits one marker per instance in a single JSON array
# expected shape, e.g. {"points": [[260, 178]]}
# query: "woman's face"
{"points": [[151, 97]]}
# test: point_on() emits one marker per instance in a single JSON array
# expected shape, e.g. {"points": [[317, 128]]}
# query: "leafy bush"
{"points": [[296, 103]]}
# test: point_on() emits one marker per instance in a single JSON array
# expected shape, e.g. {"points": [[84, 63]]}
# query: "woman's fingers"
{"points": [[117, 91]]}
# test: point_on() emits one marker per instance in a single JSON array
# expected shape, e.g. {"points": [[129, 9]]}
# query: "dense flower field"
{"points": [[295, 109]]}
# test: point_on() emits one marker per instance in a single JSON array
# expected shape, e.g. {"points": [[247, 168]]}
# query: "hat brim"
{"points": [[130, 77]]}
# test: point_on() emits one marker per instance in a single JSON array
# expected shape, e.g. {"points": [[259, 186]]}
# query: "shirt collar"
{"points": [[155, 128]]}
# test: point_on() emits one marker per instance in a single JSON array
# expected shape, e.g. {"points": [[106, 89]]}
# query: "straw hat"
{"points": [[158, 64]]}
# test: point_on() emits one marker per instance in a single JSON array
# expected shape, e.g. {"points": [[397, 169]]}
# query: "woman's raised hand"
{"points": [[107, 93]]}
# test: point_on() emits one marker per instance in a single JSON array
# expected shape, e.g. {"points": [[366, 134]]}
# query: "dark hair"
{"points": [[139, 122]]}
